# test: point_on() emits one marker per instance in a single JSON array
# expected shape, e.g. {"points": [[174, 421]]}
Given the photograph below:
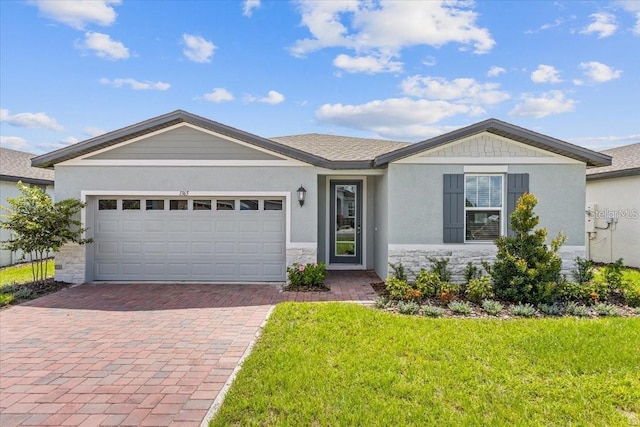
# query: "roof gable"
{"points": [[502, 129], [183, 142]]}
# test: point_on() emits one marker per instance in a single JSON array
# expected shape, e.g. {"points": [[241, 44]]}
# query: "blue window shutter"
{"points": [[453, 208], [517, 185]]}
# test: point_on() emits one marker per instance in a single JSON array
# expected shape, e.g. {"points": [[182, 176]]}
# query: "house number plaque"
{"points": [[183, 192]]}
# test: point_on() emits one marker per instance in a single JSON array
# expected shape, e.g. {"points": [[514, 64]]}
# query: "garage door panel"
{"points": [[189, 245], [107, 248], [154, 225], [131, 248], [107, 226]]}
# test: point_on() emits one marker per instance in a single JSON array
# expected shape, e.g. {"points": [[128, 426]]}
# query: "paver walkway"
{"points": [[136, 354]]}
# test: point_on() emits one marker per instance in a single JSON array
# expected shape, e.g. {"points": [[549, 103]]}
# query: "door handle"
{"points": [[358, 229]]}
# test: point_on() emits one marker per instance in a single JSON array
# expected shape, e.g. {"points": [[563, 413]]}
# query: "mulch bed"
{"points": [[39, 289], [290, 288]]}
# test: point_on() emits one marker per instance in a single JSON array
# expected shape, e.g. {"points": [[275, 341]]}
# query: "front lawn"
{"points": [[21, 273], [340, 364]]}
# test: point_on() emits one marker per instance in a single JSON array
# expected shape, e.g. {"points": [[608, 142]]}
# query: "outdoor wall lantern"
{"points": [[301, 195]]}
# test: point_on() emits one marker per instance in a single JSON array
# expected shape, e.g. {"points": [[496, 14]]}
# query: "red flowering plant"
{"points": [[310, 274]]}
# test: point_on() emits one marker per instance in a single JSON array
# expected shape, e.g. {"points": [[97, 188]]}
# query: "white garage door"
{"points": [[189, 239]]}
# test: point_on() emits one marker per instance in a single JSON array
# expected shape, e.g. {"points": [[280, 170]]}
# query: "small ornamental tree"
{"points": [[526, 269], [40, 226]]}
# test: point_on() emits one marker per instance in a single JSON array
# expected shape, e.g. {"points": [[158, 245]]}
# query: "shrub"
{"points": [[381, 302], [492, 307], [607, 310], [613, 274], [550, 309], [398, 271], [429, 283], [577, 292], [479, 289], [22, 293], [632, 295], [310, 274], [449, 292], [574, 309], [432, 311], [5, 299], [526, 269], [522, 310], [471, 272], [460, 307], [408, 307], [583, 272], [397, 288], [440, 266]]}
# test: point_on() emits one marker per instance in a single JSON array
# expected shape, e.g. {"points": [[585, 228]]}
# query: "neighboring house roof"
{"points": [[331, 152], [507, 130], [340, 148], [16, 166], [626, 162]]}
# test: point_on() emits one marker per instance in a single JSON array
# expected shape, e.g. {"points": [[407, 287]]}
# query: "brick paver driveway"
{"points": [[133, 354]]}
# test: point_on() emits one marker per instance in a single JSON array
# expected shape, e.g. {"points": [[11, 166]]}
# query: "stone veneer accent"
{"points": [[70, 264], [415, 257], [485, 145], [301, 255]]}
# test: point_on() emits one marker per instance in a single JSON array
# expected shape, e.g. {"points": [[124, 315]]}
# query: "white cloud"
{"points": [[383, 29], [552, 102], [366, 64], [92, 131], [218, 95], [464, 90], [604, 142], [30, 120], [545, 74], [495, 71], [135, 84], [69, 140], [429, 61], [604, 24], [249, 5], [103, 47], [77, 14], [393, 118], [273, 97], [556, 23], [14, 143], [599, 72], [633, 7], [197, 49]]}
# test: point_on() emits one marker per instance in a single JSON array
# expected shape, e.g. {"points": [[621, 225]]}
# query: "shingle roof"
{"points": [[340, 148], [625, 162], [16, 166]]}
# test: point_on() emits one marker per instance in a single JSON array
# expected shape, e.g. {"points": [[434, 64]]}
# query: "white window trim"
{"points": [[502, 209]]}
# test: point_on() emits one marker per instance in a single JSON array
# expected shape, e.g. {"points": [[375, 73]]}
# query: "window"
{"points": [[107, 205], [155, 205], [483, 200], [202, 205], [131, 205], [248, 205], [273, 205], [225, 205], [178, 205]]}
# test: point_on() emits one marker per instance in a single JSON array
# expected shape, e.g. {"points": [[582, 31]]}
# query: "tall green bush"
{"points": [[526, 270]]}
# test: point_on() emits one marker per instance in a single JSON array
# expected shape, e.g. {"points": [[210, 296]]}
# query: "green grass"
{"points": [[19, 274], [338, 364]]}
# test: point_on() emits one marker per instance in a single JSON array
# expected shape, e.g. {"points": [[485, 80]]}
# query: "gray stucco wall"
{"points": [[370, 221], [380, 234], [322, 218], [415, 200]]}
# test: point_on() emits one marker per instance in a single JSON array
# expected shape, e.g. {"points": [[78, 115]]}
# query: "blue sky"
{"points": [[70, 70]]}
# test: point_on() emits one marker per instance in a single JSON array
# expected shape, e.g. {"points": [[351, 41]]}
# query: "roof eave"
{"points": [[591, 158], [36, 181], [613, 174], [160, 122]]}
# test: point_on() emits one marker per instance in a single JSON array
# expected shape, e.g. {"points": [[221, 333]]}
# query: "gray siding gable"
{"points": [[184, 143]]}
